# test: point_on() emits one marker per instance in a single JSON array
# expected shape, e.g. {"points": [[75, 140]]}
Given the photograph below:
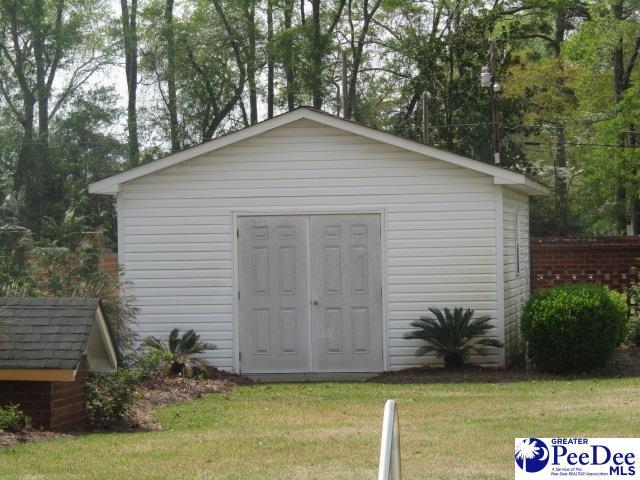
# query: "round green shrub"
{"points": [[574, 328]]}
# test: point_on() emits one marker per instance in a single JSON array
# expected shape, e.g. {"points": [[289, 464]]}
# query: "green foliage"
{"points": [[16, 272], [556, 62], [54, 48], [150, 362], [109, 396], [453, 335], [13, 419], [633, 329], [574, 328], [179, 352]]}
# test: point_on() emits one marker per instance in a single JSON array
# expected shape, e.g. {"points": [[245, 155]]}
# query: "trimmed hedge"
{"points": [[574, 328]]}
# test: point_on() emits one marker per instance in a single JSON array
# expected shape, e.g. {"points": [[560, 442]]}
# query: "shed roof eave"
{"points": [[523, 184]]}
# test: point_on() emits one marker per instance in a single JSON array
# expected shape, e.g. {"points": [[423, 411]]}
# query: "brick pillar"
{"points": [[68, 402]]}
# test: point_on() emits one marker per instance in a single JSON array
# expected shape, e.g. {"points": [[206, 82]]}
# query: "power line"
{"points": [[575, 144]]}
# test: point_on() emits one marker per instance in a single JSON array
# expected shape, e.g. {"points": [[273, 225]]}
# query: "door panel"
{"points": [[274, 294], [346, 294]]}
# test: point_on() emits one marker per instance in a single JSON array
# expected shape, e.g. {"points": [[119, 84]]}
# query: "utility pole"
{"points": [[345, 87], [425, 117], [494, 112]]}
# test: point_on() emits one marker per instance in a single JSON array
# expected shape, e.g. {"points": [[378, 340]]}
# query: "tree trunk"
{"points": [[356, 59], [270, 69], [23, 165], [251, 64], [130, 38], [562, 216], [171, 77], [27, 174], [562, 198], [316, 57], [618, 87], [288, 60]]}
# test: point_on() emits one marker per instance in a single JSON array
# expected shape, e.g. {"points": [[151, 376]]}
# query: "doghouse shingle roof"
{"points": [[45, 332]]}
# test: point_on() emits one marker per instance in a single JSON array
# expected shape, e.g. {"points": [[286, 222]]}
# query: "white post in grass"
{"points": [[390, 446]]}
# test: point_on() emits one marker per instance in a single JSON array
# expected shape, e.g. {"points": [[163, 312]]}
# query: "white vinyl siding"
{"points": [[516, 277], [176, 238]]}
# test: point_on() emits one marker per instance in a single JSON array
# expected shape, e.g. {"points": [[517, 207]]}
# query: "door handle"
{"points": [[315, 302]]}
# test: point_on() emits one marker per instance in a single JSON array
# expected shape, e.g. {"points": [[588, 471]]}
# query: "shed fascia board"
{"points": [[38, 374], [502, 176]]}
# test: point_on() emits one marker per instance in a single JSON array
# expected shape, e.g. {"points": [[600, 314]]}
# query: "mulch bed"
{"points": [[152, 393], [626, 363]]}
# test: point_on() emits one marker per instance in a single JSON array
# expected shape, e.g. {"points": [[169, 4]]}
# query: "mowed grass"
{"points": [[332, 431]]}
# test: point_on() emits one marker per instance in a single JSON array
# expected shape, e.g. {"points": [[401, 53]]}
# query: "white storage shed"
{"points": [[308, 243]]}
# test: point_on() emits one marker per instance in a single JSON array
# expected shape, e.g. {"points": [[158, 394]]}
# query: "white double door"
{"points": [[310, 296]]}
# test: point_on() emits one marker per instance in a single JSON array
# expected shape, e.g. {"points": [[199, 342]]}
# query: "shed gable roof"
{"points": [[502, 176], [47, 333]]}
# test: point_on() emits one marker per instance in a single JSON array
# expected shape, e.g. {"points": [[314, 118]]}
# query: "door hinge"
{"points": [[240, 357], [237, 233], [238, 294]]}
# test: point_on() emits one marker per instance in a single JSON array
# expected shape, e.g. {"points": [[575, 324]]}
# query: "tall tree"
{"points": [[41, 38], [270, 63], [249, 12], [357, 47], [212, 80], [170, 74], [129, 13], [320, 39], [628, 207], [288, 53], [550, 24]]}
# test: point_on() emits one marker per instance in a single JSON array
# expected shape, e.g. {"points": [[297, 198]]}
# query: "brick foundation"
{"points": [[51, 405], [603, 260]]}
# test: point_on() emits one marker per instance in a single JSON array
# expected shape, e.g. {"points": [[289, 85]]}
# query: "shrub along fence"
{"points": [[603, 260]]}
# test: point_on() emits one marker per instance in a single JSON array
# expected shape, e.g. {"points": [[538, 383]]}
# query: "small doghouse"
{"points": [[49, 346]]}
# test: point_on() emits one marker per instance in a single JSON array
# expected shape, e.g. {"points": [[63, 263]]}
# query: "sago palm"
{"points": [[452, 335], [180, 351]]}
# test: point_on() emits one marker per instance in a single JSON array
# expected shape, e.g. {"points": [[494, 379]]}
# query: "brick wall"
{"points": [[108, 262], [51, 405], [605, 260]]}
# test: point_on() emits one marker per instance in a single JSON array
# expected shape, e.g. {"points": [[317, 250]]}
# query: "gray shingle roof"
{"points": [[45, 332]]}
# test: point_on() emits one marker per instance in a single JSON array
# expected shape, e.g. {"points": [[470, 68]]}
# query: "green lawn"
{"points": [[332, 430]]}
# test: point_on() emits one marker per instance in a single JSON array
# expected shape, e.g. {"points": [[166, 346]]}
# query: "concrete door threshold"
{"points": [[311, 377]]}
